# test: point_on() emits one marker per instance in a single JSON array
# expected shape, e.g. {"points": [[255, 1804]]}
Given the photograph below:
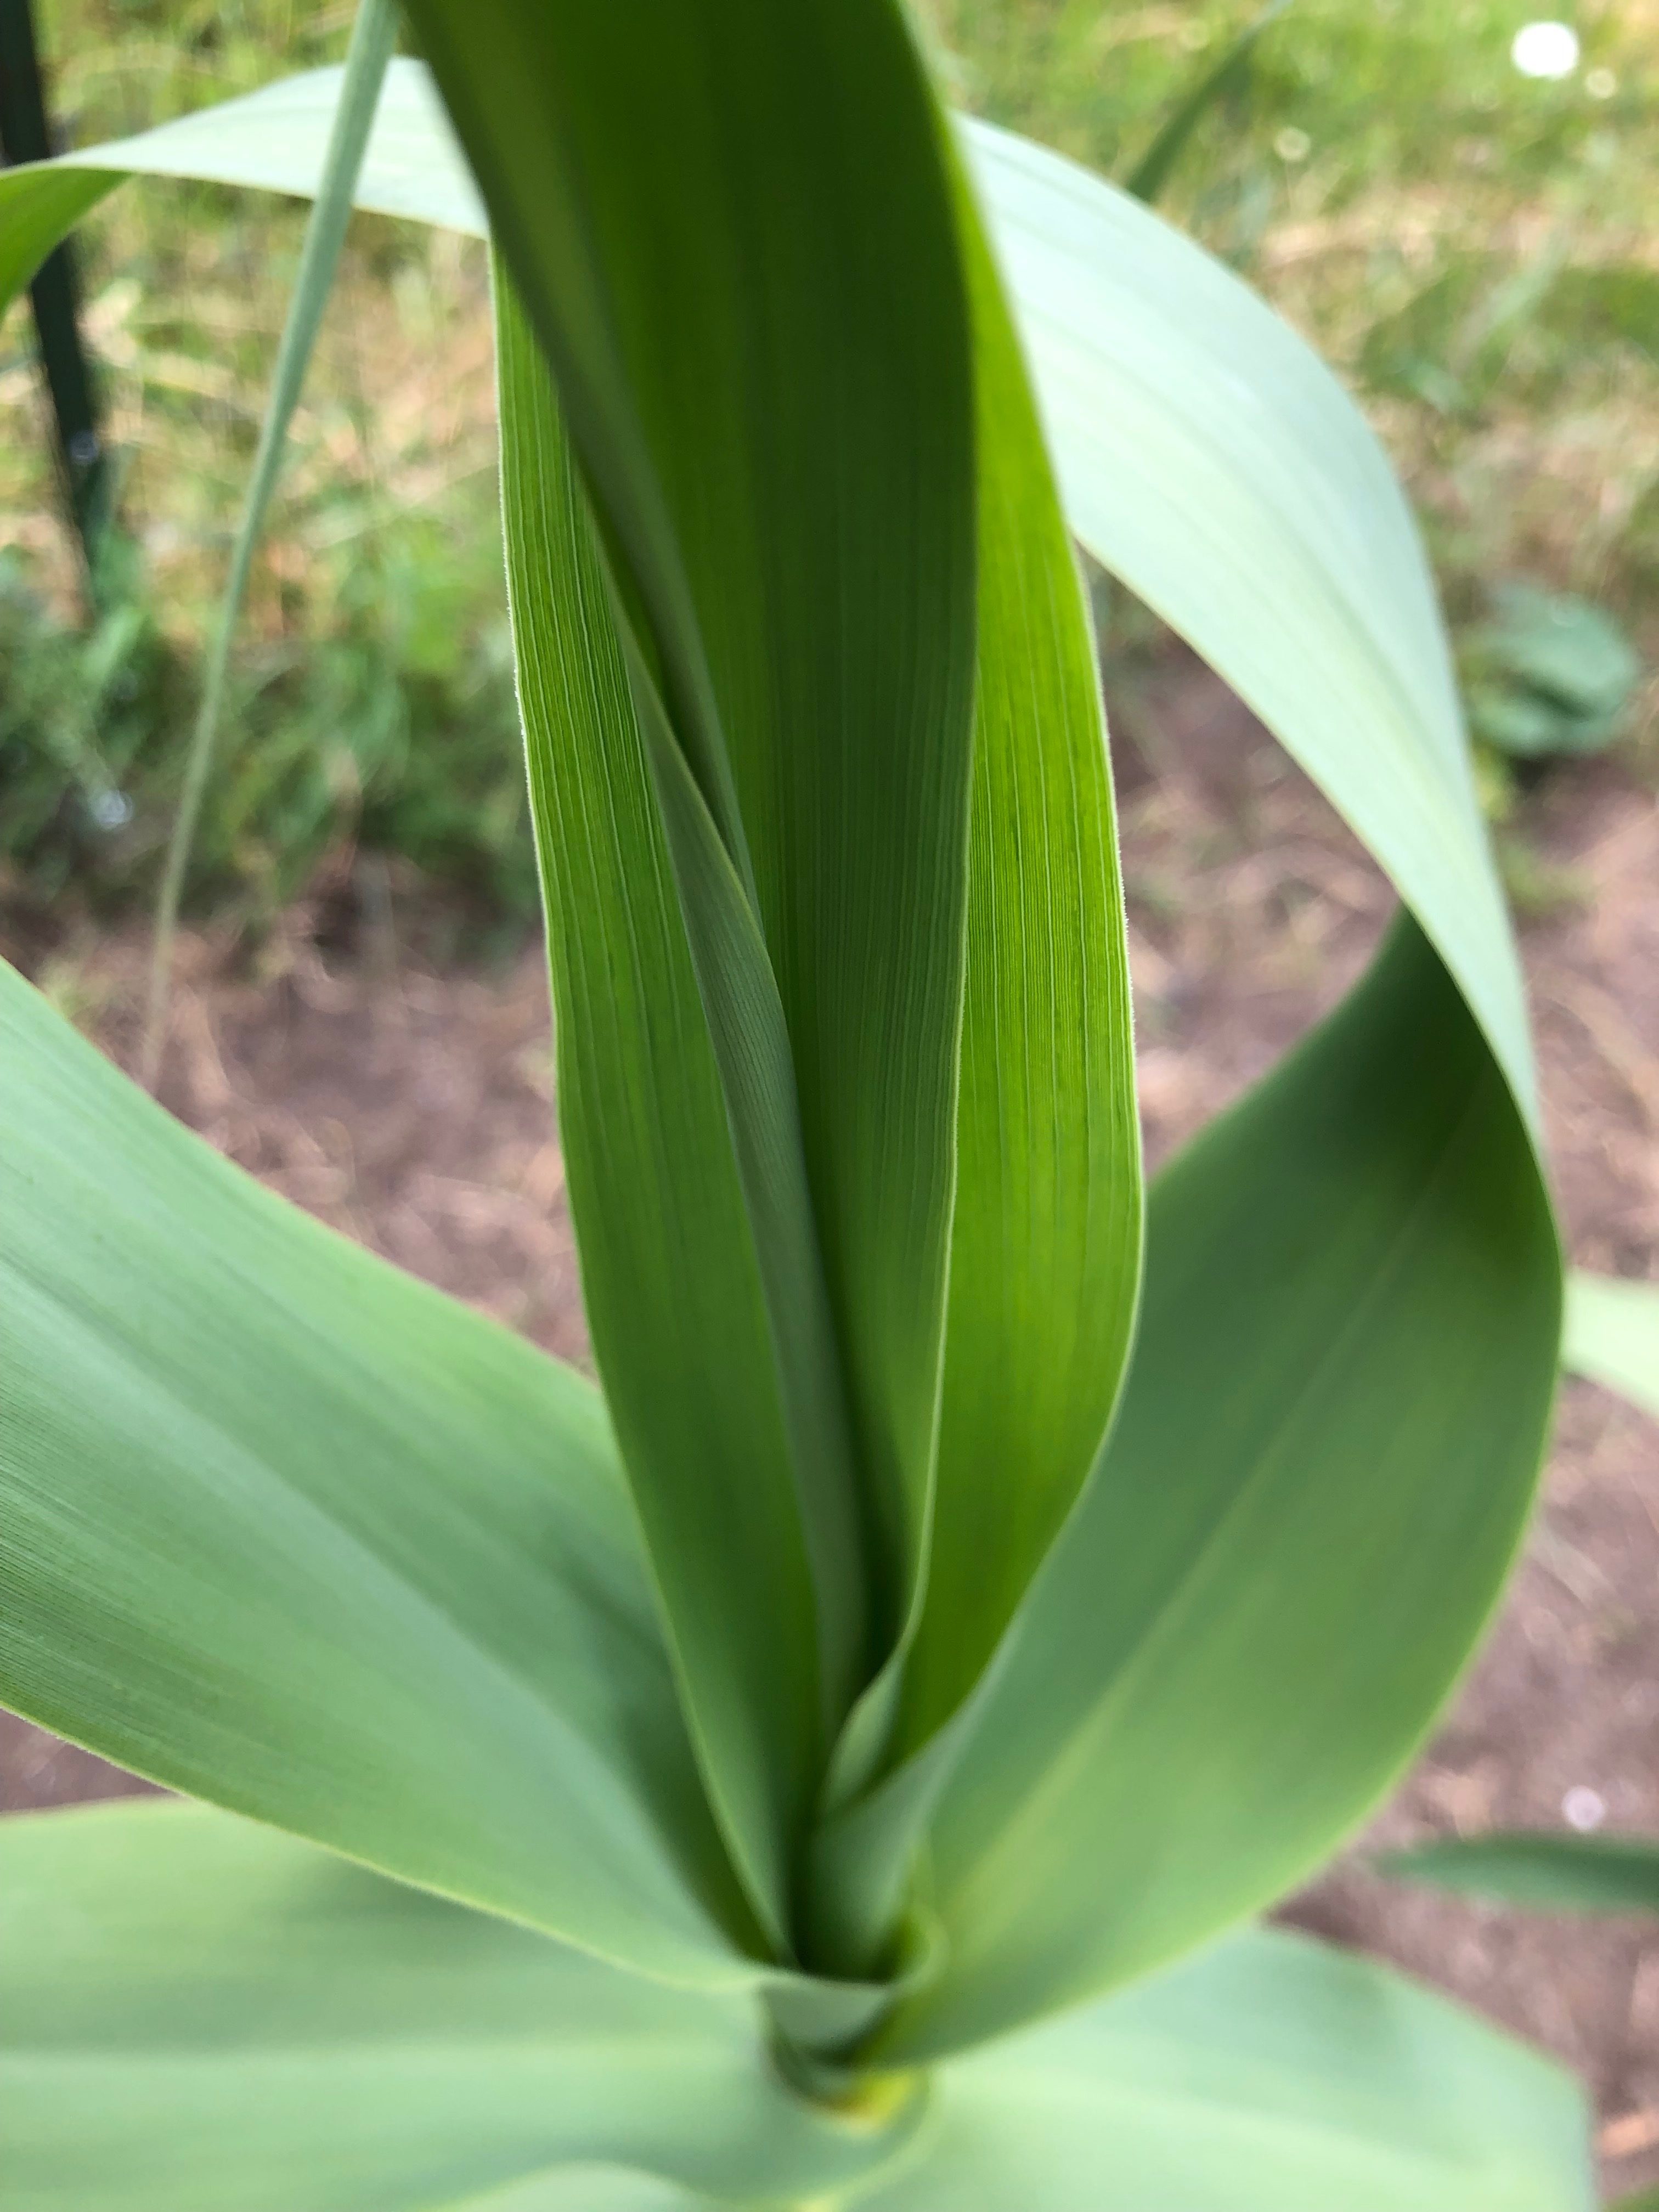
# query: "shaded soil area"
{"points": [[411, 1107]]}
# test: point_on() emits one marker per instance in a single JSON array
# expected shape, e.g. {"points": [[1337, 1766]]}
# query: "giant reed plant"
{"points": [[828, 1762]]}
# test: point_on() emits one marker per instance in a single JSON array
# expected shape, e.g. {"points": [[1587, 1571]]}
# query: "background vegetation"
{"points": [[1474, 250]]}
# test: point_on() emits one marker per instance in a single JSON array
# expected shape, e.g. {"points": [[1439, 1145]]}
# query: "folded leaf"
{"points": [[1045, 1249], [732, 232], [670, 1278], [195, 2014], [1315, 1484], [283, 1528], [1612, 1336], [1550, 1872], [1045, 1253], [1271, 2074]]}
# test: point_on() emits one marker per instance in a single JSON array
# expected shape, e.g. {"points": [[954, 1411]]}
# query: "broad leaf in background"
{"points": [[198, 2013], [283, 1528], [1553, 1872], [1270, 2074], [1207, 457], [1210, 460], [1314, 1486], [1613, 1335], [1546, 674]]}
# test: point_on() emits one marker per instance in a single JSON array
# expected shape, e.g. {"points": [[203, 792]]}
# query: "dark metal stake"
{"points": [[24, 137]]}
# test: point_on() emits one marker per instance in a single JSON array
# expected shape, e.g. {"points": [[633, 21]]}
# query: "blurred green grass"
{"points": [[1476, 253]]}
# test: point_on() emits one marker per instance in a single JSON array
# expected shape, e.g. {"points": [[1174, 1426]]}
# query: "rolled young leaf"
{"points": [[282, 1526], [198, 2013], [731, 231], [761, 342], [1551, 1873], [1328, 1445]]}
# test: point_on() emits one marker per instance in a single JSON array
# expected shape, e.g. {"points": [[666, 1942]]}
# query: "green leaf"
{"points": [[1313, 1491], [1553, 1872], [282, 1526], [1612, 1336], [732, 232], [198, 2013], [1271, 2074]]}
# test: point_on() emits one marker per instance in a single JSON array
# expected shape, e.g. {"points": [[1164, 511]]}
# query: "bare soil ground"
{"points": [[412, 1106]]}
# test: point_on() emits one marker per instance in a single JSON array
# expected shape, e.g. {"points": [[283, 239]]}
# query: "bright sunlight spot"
{"points": [[1546, 50]]}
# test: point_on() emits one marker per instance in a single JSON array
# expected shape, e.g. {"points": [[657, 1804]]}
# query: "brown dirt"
{"points": [[412, 1109]]}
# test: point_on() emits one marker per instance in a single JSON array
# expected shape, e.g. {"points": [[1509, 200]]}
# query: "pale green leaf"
{"points": [[1209, 460], [283, 1528], [1314, 1489], [1207, 457], [1552, 1873], [197, 2015], [1271, 2074], [1613, 1335]]}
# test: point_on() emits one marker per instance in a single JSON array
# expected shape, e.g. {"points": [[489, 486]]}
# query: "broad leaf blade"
{"points": [[1271, 2074], [196, 2013], [1550, 1873], [283, 1528], [1612, 1336], [1316, 1481]]}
